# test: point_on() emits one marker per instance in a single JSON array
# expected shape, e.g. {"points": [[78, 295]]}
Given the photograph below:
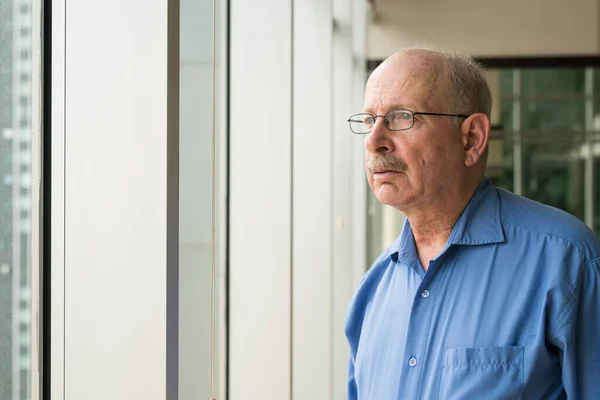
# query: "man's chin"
{"points": [[388, 194]]}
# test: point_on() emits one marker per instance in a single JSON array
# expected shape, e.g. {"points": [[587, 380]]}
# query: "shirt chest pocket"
{"points": [[491, 373]]}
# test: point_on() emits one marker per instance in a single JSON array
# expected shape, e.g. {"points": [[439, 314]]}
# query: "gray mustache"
{"points": [[386, 161]]}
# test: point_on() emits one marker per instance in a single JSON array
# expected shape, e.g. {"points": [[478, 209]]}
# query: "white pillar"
{"points": [[260, 253], [297, 202], [114, 199], [345, 181], [312, 201]]}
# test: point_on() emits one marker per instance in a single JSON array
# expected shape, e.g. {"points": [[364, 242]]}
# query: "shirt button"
{"points": [[425, 293], [412, 362]]}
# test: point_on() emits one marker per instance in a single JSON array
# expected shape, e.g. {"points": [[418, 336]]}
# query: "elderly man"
{"points": [[485, 294]]}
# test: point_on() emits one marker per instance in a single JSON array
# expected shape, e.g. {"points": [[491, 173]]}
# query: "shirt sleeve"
{"points": [[352, 391], [577, 335]]}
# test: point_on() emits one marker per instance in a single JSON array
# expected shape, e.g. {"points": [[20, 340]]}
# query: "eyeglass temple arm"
{"points": [[442, 114]]}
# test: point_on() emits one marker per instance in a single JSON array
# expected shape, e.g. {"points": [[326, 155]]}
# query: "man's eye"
{"points": [[400, 116], [369, 120]]}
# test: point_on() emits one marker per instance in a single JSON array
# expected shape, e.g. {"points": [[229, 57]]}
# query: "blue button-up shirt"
{"points": [[510, 309]]}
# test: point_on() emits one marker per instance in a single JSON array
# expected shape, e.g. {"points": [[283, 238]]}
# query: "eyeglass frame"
{"points": [[413, 113]]}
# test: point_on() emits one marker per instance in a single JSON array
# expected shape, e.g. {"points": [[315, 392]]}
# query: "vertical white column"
{"points": [[359, 206], [343, 106], [260, 199], [297, 195], [313, 137], [120, 204]]}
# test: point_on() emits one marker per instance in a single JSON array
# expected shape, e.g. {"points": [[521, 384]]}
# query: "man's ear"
{"points": [[475, 136]]}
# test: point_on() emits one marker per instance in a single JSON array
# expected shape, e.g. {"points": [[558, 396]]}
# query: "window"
{"points": [[16, 74], [545, 138]]}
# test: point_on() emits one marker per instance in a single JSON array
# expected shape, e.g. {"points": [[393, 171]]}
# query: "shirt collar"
{"points": [[480, 221], [478, 224]]}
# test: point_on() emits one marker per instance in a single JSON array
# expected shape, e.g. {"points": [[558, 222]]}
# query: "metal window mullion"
{"points": [[589, 146], [517, 147]]}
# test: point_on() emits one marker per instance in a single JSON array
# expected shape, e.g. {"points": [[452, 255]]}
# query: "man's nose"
{"points": [[379, 140]]}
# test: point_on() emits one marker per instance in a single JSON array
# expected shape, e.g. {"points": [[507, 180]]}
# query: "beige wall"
{"points": [[485, 27]]}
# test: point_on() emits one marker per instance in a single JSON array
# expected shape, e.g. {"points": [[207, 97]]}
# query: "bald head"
{"points": [[449, 81]]}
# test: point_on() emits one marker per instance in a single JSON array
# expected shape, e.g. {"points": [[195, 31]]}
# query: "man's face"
{"points": [[411, 168]]}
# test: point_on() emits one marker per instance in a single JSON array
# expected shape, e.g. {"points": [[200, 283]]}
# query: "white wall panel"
{"points": [[313, 219], [260, 200], [121, 222], [57, 254]]}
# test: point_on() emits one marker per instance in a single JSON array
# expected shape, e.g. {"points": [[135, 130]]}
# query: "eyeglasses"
{"points": [[394, 120]]}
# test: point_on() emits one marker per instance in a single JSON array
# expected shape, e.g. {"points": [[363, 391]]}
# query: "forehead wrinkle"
{"points": [[394, 106], [411, 99], [407, 81], [410, 85]]}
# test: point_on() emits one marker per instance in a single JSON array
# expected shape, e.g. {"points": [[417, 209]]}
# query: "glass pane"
{"points": [[506, 112], [597, 194], [15, 203], [552, 126], [506, 81], [553, 114], [500, 166], [195, 196], [500, 148], [552, 82], [375, 242], [553, 171], [596, 85], [596, 148]]}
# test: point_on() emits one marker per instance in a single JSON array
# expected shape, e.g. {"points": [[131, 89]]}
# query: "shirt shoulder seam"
{"points": [[575, 290], [553, 236]]}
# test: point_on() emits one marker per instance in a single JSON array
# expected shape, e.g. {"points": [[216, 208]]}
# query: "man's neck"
{"points": [[432, 226]]}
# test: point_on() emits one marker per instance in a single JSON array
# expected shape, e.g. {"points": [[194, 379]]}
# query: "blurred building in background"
{"points": [[15, 203]]}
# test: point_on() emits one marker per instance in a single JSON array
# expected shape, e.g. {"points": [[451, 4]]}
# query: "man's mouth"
{"points": [[383, 173]]}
